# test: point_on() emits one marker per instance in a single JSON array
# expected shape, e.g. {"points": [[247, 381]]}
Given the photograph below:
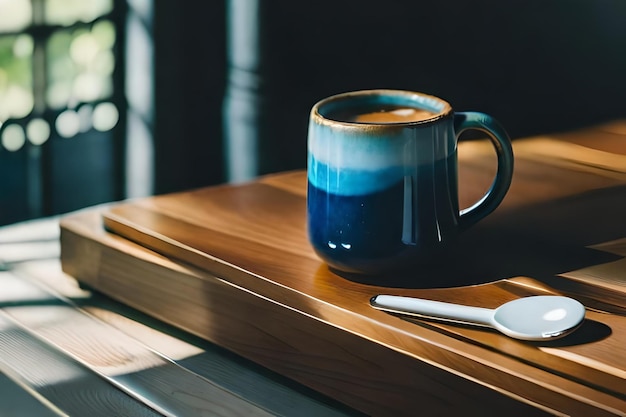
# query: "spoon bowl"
{"points": [[539, 317]]}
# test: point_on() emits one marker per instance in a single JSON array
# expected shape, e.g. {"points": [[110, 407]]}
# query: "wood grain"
{"points": [[258, 289], [85, 366], [58, 381]]}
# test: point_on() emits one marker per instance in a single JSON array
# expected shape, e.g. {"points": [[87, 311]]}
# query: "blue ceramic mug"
{"points": [[382, 178]]}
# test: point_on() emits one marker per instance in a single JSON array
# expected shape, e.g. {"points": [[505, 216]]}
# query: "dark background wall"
{"points": [[536, 66]]}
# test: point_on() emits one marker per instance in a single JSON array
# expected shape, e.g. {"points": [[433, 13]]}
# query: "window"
{"points": [[62, 105]]}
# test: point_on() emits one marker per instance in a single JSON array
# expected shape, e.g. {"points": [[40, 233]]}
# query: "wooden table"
{"points": [[231, 265]]}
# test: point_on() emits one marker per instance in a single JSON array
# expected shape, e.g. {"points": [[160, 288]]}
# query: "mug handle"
{"points": [[500, 140]]}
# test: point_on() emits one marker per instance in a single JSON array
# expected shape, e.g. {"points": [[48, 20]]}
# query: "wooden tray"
{"points": [[256, 287]]}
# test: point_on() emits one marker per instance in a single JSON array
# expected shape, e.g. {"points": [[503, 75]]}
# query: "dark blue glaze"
{"points": [[391, 229]]}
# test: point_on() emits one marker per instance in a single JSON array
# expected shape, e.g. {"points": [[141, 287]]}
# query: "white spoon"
{"points": [[535, 318]]}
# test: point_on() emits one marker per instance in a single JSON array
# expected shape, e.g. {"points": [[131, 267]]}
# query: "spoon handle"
{"points": [[433, 309]]}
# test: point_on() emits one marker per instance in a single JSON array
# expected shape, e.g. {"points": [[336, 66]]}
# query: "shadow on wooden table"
{"points": [[539, 240]]}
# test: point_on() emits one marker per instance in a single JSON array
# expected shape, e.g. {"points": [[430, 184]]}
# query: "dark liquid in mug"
{"points": [[384, 115], [361, 232]]}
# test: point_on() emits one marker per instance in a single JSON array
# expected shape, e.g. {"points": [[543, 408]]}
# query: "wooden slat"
{"points": [[136, 370], [235, 377], [60, 382], [19, 400], [115, 357], [63, 385]]}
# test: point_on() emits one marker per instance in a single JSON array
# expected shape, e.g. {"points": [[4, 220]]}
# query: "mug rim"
{"points": [[414, 96]]}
